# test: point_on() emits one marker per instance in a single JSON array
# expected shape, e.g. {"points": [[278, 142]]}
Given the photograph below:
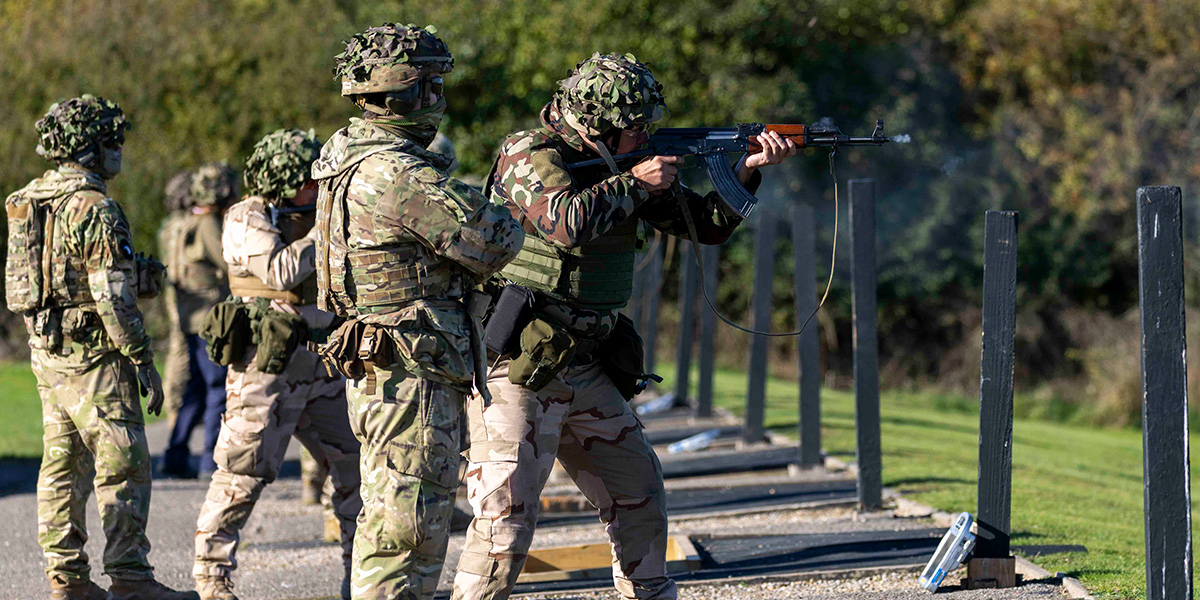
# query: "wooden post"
{"points": [[1164, 394], [992, 565], [687, 320], [708, 333], [764, 276], [866, 345], [809, 351], [651, 294]]}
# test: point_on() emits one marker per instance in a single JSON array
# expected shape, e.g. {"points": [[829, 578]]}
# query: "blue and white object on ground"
{"points": [[660, 404], [699, 441], [954, 549]]}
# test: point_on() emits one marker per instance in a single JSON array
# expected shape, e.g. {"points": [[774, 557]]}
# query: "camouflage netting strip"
{"points": [[280, 163], [390, 58], [78, 126], [214, 184], [612, 90]]}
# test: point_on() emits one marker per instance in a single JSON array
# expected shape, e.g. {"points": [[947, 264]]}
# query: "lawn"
{"points": [[1071, 485]]}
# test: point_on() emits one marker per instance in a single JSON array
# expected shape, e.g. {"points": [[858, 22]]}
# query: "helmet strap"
{"points": [[602, 148]]}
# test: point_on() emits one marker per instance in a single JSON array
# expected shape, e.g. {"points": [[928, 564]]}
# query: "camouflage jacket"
{"points": [[385, 192], [253, 246], [570, 208], [191, 246], [92, 261]]}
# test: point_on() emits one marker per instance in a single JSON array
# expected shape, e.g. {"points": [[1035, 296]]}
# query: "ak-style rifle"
{"points": [[712, 143]]}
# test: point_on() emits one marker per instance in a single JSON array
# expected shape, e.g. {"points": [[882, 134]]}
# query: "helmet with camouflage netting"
{"points": [[393, 60], [177, 192], [76, 129], [610, 91], [214, 184], [281, 163]]}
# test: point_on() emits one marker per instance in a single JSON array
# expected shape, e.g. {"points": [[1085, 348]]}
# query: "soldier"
{"points": [[178, 366], [71, 272], [400, 249], [196, 271], [277, 388], [564, 391]]}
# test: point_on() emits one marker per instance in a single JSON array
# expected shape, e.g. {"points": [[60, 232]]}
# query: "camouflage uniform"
{"points": [[401, 246], [263, 411], [579, 417], [177, 364], [90, 352], [196, 270]]}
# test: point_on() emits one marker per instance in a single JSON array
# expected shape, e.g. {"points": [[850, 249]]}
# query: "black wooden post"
{"points": [[1164, 394], [764, 275], [803, 242], [992, 566], [708, 333], [650, 311], [687, 320], [866, 346]]}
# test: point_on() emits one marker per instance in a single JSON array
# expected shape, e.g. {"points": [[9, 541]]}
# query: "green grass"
{"points": [[1071, 485], [21, 412]]}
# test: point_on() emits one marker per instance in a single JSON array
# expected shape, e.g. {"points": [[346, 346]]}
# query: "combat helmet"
{"points": [[280, 163], [610, 91], [177, 192], [393, 62], [214, 184], [76, 129]]}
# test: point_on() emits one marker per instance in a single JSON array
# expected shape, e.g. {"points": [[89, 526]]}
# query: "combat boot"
{"points": [[215, 588], [79, 590], [146, 589], [333, 529]]}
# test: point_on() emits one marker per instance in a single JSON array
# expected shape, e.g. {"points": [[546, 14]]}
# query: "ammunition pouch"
{"points": [[545, 350], [278, 335], [355, 348], [227, 332], [623, 358], [512, 313], [149, 274]]}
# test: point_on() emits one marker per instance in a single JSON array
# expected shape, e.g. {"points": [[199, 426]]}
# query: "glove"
{"points": [[150, 385]]}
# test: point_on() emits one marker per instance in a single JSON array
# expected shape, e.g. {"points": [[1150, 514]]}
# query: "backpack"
{"points": [[25, 270]]}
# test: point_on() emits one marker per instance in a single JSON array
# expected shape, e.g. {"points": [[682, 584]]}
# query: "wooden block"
{"points": [[594, 561], [983, 573]]}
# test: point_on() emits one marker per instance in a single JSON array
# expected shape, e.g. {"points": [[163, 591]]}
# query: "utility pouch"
{"points": [[546, 350], [149, 274], [226, 331], [279, 334], [48, 324], [514, 309], [355, 347], [623, 358]]}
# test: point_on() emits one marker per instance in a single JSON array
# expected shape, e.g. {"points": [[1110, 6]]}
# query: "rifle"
{"points": [[712, 143]]}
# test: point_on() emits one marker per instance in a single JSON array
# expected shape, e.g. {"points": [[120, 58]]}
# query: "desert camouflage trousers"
{"points": [[177, 362], [583, 420], [409, 428], [92, 435], [262, 413]]}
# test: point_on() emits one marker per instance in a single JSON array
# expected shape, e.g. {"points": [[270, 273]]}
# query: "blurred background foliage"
{"points": [[1056, 108]]}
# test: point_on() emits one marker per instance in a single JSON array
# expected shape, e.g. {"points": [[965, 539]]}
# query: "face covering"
{"points": [[419, 126], [110, 164]]}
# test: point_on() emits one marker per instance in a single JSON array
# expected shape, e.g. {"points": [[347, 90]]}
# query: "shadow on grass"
{"points": [[927, 480]]}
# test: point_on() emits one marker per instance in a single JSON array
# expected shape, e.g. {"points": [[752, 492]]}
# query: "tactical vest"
{"points": [[596, 275], [292, 227], [38, 272], [188, 269], [354, 281]]}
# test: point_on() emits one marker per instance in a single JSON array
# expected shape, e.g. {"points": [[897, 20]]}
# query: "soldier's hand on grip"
{"points": [[150, 386], [656, 173]]}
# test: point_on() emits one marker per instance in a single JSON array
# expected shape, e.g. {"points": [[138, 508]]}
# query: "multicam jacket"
{"points": [[191, 246], [401, 243], [92, 270], [573, 208]]}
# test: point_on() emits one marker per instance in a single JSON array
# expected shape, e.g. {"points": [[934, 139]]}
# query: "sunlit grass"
{"points": [[1071, 485]]}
